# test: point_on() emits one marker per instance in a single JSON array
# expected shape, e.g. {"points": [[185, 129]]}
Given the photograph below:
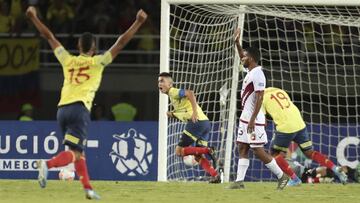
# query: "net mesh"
{"points": [[311, 52]]}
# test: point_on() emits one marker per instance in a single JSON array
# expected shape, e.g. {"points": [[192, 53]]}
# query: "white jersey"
{"points": [[254, 81]]}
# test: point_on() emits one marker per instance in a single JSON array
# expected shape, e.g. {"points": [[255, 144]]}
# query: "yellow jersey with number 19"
{"points": [[82, 76], [283, 111]]}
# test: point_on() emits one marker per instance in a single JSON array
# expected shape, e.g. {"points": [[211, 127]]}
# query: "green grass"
{"points": [[14, 191]]}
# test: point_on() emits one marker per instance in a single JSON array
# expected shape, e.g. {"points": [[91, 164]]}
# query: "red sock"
{"points": [[283, 164], [205, 164], [322, 160], [195, 151], [82, 172], [62, 159]]}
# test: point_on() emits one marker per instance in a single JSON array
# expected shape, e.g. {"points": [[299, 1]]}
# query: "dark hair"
{"points": [[254, 53], [86, 40], [165, 74]]}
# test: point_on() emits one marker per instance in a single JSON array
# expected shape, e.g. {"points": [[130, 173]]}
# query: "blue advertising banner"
{"points": [[115, 150], [129, 150]]}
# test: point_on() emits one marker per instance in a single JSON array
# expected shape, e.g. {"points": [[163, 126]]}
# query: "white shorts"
{"points": [[257, 139]]}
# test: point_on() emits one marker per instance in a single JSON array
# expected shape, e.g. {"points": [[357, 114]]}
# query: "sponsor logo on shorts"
{"points": [[261, 135]]}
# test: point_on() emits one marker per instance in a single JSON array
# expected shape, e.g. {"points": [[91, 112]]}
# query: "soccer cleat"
{"points": [[212, 156], [91, 194], [341, 175], [43, 173], [215, 180], [294, 182], [236, 185], [283, 181]]}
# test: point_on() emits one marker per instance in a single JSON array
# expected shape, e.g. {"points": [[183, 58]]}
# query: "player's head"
{"points": [[86, 43], [251, 58], [165, 82]]}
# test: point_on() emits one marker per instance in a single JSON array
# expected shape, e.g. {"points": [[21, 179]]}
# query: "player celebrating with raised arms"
{"points": [[251, 132], [82, 77], [290, 126], [197, 127]]}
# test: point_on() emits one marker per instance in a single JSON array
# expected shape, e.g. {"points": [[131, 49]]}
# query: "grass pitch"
{"points": [[14, 191]]}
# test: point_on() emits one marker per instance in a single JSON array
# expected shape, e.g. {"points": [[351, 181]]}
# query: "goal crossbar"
{"points": [[270, 2]]}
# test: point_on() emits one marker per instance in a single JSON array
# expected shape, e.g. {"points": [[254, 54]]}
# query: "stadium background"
{"points": [[29, 72], [132, 76]]}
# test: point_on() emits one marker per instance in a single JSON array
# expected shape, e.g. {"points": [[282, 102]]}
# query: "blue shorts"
{"points": [[195, 132], [73, 120], [281, 141]]}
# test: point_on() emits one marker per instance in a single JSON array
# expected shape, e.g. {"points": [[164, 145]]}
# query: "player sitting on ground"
{"points": [[290, 126], [197, 127], [251, 133], [82, 77]]}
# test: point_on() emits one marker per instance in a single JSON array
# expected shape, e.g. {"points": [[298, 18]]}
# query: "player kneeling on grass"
{"points": [[290, 126], [82, 77], [197, 127]]}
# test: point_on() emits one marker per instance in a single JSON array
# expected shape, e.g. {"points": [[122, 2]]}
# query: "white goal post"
{"points": [[189, 27]]}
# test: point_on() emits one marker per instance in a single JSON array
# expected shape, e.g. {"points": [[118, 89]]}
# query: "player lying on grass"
{"points": [[322, 174], [290, 126], [197, 127], [251, 132], [82, 77]]}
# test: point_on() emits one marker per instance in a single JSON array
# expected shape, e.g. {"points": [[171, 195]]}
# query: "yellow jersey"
{"points": [[82, 76], [284, 113], [182, 106]]}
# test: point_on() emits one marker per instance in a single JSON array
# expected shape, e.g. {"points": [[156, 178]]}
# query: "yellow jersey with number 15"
{"points": [[283, 111], [82, 76]]}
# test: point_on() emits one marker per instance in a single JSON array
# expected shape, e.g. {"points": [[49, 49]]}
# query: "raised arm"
{"points": [[128, 34], [44, 31], [191, 96], [237, 43]]}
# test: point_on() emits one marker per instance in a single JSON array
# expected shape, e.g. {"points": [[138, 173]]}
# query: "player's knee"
{"points": [[77, 154], [274, 152], [243, 153], [179, 151], [198, 158], [308, 153], [243, 150]]}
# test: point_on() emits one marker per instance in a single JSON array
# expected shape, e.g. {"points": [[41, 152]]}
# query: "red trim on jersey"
{"points": [[258, 143], [258, 124], [249, 89]]}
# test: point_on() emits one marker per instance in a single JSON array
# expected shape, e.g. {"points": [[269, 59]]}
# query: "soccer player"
{"points": [[251, 132], [290, 126], [82, 76], [197, 126]]}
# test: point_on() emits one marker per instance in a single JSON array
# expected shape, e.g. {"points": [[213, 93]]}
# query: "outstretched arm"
{"points": [[129, 34], [44, 31], [237, 43]]}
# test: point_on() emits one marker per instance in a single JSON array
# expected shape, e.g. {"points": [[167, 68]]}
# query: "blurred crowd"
{"points": [[77, 16]]}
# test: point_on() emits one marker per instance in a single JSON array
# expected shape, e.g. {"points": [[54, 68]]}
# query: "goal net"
{"points": [[312, 52]]}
